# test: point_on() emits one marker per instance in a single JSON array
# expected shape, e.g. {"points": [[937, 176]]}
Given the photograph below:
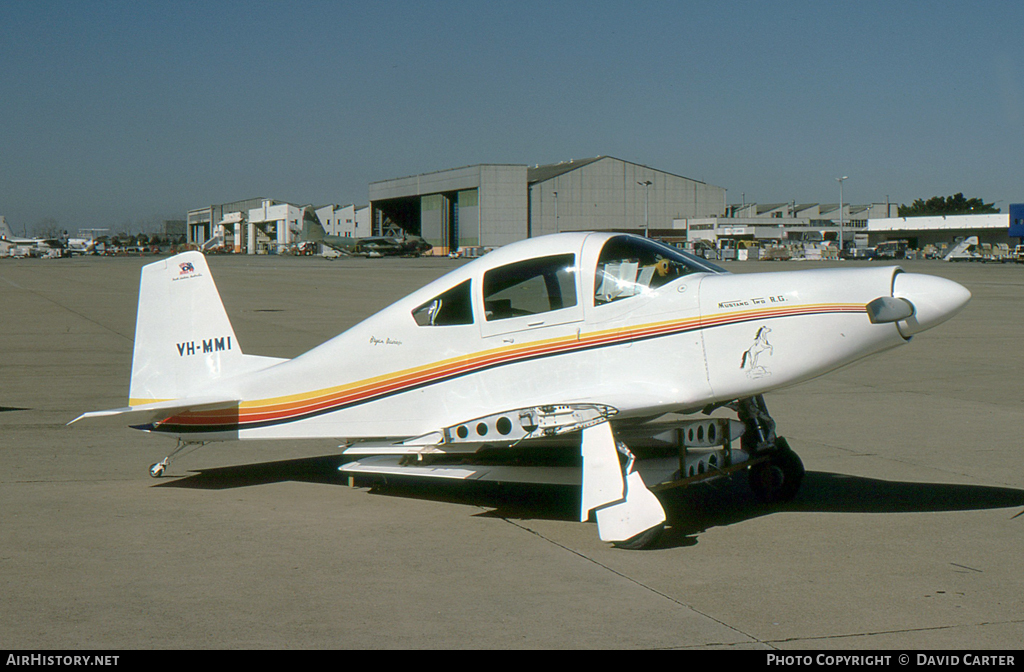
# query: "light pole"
{"points": [[556, 212], [646, 184], [840, 181]]}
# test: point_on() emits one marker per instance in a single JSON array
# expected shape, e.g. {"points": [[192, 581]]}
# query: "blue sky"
{"points": [[121, 114]]}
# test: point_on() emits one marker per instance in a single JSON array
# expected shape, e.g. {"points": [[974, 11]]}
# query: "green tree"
{"points": [[956, 204]]}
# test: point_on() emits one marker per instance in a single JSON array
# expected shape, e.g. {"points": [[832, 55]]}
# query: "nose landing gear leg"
{"points": [[777, 471]]}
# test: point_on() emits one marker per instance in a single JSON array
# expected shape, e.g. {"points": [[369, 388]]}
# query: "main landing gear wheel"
{"points": [[777, 479]]}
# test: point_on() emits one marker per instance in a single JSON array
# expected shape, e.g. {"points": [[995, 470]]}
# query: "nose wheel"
{"points": [[157, 470], [778, 478]]}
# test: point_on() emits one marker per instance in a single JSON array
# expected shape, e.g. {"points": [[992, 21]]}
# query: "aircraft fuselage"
{"points": [[572, 318]]}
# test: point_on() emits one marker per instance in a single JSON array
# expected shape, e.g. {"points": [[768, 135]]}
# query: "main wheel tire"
{"points": [[778, 479]]}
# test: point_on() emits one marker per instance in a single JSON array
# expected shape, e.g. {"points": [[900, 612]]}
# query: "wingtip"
{"points": [[100, 414]]}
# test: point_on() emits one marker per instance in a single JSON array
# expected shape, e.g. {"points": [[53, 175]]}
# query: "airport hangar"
{"points": [[484, 205], [488, 205]]}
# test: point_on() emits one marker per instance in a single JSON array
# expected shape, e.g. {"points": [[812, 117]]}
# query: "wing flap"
{"points": [[391, 465], [427, 443]]}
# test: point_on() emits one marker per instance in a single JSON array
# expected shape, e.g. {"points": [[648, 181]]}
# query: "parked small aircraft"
{"points": [[35, 246], [376, 246], [611, 349], [81, 246], [86, 242]]}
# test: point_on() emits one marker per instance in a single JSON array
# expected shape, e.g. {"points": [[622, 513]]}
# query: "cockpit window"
{"points": [[530, 287], [453, 307], [630, 266]]}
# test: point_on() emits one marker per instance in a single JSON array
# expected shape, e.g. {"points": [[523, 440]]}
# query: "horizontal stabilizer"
{"points": [[145, 414]]}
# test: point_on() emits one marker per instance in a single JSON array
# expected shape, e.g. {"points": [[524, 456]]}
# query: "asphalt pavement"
{"points": [[907, 532]]}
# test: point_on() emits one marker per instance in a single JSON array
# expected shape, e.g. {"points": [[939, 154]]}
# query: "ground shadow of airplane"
{"points": [[512, 500], [728, 502], [690, 511]]}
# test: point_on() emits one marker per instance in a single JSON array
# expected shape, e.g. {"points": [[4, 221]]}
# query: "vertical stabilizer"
{"points": [[183, 338], [312, 229]]}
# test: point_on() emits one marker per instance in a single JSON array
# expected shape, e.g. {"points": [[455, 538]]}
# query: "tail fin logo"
{"points": [[186, 268]]}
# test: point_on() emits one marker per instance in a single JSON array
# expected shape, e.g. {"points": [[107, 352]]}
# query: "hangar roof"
{"points": [[541, 173], [552, 170], [535, 174]]}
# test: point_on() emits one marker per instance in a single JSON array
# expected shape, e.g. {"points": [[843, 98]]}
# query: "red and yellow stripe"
{"points": [[289, 408]]}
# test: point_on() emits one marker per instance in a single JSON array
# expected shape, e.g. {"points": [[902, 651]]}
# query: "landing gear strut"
{"points": [[157, 469], [777, 475]]}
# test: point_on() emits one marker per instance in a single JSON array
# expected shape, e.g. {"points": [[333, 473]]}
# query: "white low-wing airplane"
{"points": [[8, 240], [581, 344]]}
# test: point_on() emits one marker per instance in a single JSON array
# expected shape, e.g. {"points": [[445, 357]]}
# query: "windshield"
{"points": [[630, 266]]}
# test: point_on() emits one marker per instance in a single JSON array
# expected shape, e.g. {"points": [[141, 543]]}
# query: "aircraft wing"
{"points": [[145, 414], [485, 458], [499, 430], [617, 494], [432, 454]]}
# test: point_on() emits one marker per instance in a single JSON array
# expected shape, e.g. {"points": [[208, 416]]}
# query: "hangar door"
{"points": [[450, 221]]}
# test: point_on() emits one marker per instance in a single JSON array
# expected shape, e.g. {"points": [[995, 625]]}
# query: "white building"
{"points": [[781, 221], [253, 226], [921, 231], [272, 225], [345, 220], [209, 222], [792, 222]]}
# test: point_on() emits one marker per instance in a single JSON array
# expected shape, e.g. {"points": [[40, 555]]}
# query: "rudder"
{"points": [[183, 337]]}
